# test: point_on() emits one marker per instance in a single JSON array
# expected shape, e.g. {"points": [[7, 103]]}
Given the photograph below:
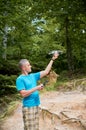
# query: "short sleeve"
{"points": [[20, 84], [37, 75]]}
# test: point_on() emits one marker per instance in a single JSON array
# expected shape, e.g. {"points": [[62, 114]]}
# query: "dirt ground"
{"points": [[59, 111]]}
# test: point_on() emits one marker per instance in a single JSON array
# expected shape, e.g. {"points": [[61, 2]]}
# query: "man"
{"points": [[27, 86]]}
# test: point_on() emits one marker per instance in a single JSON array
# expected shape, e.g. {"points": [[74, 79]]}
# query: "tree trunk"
{"points": [[69, 48], [5, 43]]}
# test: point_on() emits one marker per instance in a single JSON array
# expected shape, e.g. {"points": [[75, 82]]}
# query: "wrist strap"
{"points": [[52, 59]]}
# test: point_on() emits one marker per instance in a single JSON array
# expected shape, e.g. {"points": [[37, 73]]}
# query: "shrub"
{"points": [[6, 85], [9, 67], [7, 80]]}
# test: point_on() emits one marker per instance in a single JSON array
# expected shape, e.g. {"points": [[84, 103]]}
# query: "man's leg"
{"points": [[37, 118], [31, 118]]}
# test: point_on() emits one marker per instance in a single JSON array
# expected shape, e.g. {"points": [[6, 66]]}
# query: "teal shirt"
{"points": [[27, 82]]}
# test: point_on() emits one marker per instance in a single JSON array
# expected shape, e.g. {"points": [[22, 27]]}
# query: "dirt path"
{"points": [[14, 121], [60, 111]]}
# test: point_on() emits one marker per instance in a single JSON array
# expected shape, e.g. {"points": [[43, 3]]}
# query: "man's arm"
{"points": [[25, 93], [49, 66]]}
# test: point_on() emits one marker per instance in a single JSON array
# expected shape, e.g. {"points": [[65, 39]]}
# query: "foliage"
{"points": [[30, 29], [7, 80], [9, 67]]}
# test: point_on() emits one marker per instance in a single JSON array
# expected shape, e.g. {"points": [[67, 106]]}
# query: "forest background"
{"points": [[32, 28]]}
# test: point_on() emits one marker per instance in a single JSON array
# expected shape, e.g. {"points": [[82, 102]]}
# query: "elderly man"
{"points": [[27, 86]]}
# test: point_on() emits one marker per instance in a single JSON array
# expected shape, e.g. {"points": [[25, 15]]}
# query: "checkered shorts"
{"points": [[31, 118]]}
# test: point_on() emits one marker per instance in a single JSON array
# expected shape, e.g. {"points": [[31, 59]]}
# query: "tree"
{"points": [[36, 27], [70, 15]]}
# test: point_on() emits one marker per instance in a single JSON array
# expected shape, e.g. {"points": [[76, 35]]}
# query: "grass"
{"points": [[8, 104]]}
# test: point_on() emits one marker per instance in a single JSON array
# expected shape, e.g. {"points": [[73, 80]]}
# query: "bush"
{"points": [[9, 67], [7, 90], [7, 84], [7, 80]]}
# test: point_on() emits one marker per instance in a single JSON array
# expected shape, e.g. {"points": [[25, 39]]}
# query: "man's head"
{"points": [[25, 65]]}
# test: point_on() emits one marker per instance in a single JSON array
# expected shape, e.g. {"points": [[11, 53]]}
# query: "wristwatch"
{"points": [[52, 59]]}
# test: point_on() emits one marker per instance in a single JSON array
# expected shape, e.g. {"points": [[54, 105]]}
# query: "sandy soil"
{"points": [[56, 109]]}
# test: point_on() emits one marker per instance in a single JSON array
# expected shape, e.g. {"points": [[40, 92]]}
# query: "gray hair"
{"points": [[22, 62]]}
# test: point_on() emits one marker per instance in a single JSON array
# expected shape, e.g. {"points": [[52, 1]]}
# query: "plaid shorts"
{"points": [[31, 118]]}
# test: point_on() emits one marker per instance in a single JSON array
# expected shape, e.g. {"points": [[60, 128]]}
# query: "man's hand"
{"points": [[55, 56], [40, 87]]}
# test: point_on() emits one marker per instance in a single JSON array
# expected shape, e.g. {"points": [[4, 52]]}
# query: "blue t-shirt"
{"points": [[28, 82]]}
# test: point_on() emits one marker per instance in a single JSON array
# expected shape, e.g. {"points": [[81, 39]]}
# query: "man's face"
{"points": [[27, 67]]}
